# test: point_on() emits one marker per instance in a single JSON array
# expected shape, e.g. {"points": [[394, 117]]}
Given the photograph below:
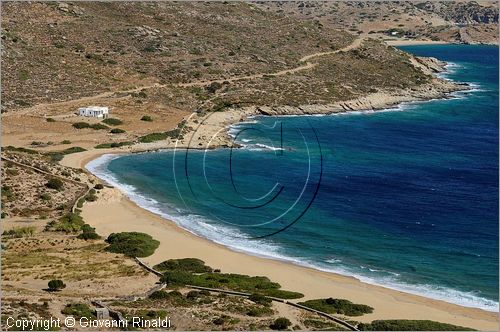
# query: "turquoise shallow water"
{"points": [[406, 198]]}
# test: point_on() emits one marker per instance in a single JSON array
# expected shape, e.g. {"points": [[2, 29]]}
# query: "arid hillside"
{"points": [[57, 51], [450, 21], [164, 60]]}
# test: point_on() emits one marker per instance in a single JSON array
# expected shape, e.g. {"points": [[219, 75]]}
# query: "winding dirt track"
{"points": [[308, 65]]}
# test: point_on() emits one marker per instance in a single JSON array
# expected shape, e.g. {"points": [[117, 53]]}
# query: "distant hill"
{"points": [[65, 51], [451, 21]]}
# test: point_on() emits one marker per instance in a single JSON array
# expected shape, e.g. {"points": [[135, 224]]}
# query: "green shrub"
{"points": [[78, 310], [177, 278], [338, 306], [20, 149], [66, 141], [99, 186], [281, 323], [174, 133], [80, 202], [113, 145], [55, 156], [260, 311], [88, 233], [90, 197], [260, 299], [69, 223], [117, 131], [50, 120], [159, 295], [56, 284], [237, 282], [193, 265], [192, 295], [18, 232], [74, 149], [112, 121], [410, 325], [81, 125], [133, 244], [98, 126], [45, 197], [153, 137], [4, 214], [55, 183], [84, 125], [147, 118]]}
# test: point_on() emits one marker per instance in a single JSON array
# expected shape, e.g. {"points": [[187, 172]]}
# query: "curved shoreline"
{"points": [[268, 251], [123, 214]]}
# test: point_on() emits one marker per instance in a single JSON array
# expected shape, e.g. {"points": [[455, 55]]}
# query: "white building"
{"points": [[94, 111]]}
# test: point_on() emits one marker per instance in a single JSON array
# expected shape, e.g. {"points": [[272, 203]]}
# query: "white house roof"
{"points": [[94, 108]]}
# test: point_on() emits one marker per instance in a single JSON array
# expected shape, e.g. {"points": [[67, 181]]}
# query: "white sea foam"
{"points": [[238, 241]]}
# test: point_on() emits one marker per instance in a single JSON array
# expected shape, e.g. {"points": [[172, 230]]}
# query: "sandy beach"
{"points": [[114, 212], [410, 42]]}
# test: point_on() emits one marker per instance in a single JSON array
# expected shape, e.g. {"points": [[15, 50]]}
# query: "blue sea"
{"points": [[406, 198]]}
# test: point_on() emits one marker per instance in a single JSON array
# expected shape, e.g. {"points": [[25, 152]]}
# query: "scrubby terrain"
{"points": [[154, 64], [450, 21]]}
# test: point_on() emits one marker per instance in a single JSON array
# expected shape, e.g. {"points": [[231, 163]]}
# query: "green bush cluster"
{"points": [[259, 311], [99, 186], [260, 299], [281, 323], [20, 232], [410, 325], [45, 197], [237, 282], [55, 183], [84, 125], [193, 265], [117, 131], [56, 156], [338, 306], [133, 244], [78, 310], [90, 197], [80, 202], [147, 314], [88, 233], [73, 149], [69, 223], [113, 145], [147, 118], [112, 121], [56, 284], [175, 298], [20, 149], [159, 295], [153, 137]]}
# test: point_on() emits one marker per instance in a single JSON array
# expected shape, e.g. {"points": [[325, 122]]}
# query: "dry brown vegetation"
{"points": [[24, 186], [165, 60], [61, 55], [451, 21]]}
